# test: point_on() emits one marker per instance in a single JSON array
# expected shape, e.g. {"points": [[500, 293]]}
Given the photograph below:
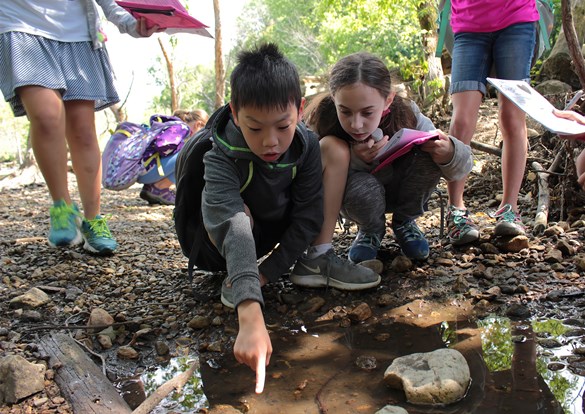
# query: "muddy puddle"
{"points": [[535, 366]]}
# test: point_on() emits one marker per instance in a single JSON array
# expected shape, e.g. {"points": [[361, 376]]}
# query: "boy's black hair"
{"points": [[264, 78]]}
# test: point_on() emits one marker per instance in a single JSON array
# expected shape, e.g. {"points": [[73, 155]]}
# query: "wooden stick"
{"points": [[175, 383], [541, 218]]}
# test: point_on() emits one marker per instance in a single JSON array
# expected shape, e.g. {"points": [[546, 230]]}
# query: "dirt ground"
{"points": [[146, 280]]}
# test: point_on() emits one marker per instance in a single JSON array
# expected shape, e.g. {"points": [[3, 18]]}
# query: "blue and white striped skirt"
{"points": [[75, 69]]}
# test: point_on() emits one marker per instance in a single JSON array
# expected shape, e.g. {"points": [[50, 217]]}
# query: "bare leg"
{"points": [[335, 159], [513, 124], [46, 113], [85, 154], [163, 183], [463, 123]]}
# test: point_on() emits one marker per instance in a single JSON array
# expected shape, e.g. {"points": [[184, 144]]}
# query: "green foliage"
{"points": [[13, 134], [316, 33], [552, 327], [496, 343]]}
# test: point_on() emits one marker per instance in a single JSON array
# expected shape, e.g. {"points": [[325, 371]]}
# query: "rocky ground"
{"points": [[144, 286]]}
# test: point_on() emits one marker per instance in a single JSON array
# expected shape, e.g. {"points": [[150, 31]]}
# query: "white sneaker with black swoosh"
{"points": [[331, 270]]}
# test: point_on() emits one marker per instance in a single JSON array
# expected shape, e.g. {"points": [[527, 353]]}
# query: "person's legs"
{"points": [[46, 113], [471, 64], [335, 157], [85, 154], [513, 51], [321, 266], [156, 189], [364, 203], [407, 194], [86, 159]]}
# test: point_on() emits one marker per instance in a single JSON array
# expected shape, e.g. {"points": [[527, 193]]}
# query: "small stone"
{"points": [[401, 264], [199, 322], [127, 352], [360, 312], [33, 298]]}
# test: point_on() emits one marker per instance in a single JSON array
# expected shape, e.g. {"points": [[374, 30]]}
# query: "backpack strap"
{"points": [[443, 23], [544, 32]]}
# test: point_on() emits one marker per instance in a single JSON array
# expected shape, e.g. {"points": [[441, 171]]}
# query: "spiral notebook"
{"points": [[167, 14], [401, 143]]}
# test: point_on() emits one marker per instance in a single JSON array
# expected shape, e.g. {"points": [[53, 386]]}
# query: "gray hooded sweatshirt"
{"points": [[287, 192]]}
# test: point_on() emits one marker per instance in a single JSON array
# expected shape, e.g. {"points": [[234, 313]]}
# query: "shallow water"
{"points": [[326, 368]]}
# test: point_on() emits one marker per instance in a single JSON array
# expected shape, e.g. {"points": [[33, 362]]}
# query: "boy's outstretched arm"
{"points": [[253, 346]]}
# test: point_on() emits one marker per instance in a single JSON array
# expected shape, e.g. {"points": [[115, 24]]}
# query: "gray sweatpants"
{"points": [[402, 188]]}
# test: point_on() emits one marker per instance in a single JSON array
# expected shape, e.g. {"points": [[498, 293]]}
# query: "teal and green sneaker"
{"points": [[65, 221], [97, 236]]}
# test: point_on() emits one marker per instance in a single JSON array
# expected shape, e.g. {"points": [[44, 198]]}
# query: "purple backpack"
{"points": [[135, 149]]}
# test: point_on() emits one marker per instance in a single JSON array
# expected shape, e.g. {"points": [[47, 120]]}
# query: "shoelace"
{"points": [[411, 232], [60, 216], [100, 227], [369, 239], [506, 214]]}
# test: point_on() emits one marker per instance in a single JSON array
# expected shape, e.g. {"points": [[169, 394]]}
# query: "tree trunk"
{"points": [[573, 41], [427, 17], [559, 64], [219, 68], [171, 70]]}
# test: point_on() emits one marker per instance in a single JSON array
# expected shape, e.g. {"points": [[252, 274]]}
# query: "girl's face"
{"points": [[359, 109]]}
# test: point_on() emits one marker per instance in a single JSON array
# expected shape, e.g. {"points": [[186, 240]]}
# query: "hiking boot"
{"points": [[227, 294], [331, 270], [97, 236], [154, 195], [364, 247], [65, 221], [411, 240], [460, 228], [509, 222]]}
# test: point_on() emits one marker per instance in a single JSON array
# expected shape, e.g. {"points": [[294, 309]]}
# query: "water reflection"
{"points": [[517, 367], [187, 400], [552, 349]]}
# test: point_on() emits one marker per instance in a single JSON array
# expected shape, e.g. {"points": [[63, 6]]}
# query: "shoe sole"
{"points": [[508, 231], [106, 252], [373, 264], [155, 200], [77, 240], [227, 302], [468, 238], [318, 281]]}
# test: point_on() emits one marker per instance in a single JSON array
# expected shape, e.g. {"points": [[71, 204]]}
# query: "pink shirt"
{"points": [[490, 15]]}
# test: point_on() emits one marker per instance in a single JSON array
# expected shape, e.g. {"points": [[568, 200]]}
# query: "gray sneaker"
{"points": [[227, 294], [331, 270]]}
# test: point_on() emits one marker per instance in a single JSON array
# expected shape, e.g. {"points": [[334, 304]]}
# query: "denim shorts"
{"points": [[508, 52]]}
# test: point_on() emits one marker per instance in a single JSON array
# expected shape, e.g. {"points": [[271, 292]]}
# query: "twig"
{"points": [[95, 354], [541, 219], [161, 392], [115, 324], [490, 149]]}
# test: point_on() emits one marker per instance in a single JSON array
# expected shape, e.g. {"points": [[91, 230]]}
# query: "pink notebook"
{"points": [[401, 143], [167, 14]]}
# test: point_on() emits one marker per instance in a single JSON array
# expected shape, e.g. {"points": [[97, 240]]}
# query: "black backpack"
{"points": [[189, 173]]}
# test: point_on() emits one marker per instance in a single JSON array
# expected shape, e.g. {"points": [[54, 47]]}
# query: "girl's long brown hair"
{"points": [[362, 67]]}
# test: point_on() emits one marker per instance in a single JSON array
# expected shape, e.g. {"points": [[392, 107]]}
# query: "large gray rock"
{"points": [[433, 378], [19, 379]]}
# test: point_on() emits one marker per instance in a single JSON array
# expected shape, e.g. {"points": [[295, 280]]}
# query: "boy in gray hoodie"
{"points": [[262, 194]]}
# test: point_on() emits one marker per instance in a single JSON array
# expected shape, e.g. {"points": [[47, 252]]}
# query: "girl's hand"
{"points": [[441, 150], [573, 116], [367, 150], [143, 29]]}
